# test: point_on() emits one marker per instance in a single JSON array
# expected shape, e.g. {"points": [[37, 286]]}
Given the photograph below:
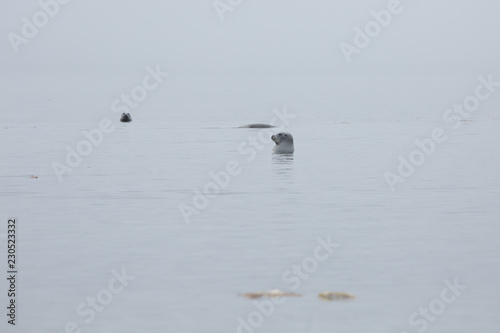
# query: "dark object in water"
{"points": [[270, 294], [126, 117], [257, 126], [333, 296]]}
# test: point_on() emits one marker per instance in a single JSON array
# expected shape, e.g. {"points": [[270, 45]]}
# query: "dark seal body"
{"points": [[125, 118], [257, 126]]}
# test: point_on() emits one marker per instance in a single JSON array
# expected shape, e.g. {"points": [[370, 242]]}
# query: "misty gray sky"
{"points": [[268, 37]]}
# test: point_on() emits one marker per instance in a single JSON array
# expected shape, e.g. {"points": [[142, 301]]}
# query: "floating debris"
{"points": [[271, 293], [332, 296]]}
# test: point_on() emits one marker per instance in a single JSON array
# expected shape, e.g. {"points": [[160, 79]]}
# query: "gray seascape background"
{"points": [[119, 209]]}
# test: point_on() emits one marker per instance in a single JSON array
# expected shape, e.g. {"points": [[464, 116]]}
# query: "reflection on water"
{"points": [[283, 166]]}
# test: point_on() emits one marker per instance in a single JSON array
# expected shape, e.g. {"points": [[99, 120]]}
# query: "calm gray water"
{"points": [[119, 209]]}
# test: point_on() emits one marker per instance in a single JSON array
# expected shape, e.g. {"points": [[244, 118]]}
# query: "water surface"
{"points": [[119, 209]]}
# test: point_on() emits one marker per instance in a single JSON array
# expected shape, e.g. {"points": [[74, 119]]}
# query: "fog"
{"points": [[170, 222], [256, 37]]}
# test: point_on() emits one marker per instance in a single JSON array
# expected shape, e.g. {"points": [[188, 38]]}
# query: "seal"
{"points": [[257, 126], [284, 143], [125, 118]]}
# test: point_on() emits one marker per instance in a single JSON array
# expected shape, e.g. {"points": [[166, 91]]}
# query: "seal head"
{"points": [[284, 143], [125, 118]]}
